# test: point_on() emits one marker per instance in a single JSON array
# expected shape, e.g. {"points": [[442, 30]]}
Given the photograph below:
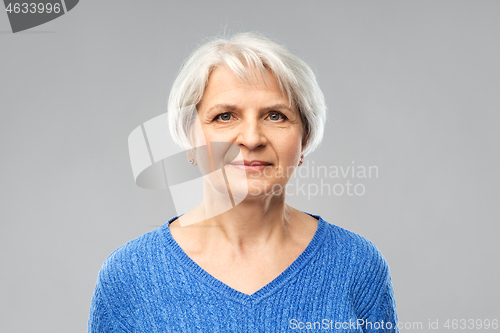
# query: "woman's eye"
{"points": [[275, 116], [223, 116]]}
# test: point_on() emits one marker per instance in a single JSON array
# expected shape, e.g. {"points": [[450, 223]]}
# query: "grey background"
{"points": [[412, 87]]}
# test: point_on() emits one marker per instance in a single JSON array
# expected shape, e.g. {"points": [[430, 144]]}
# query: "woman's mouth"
{"points": [[250, 166]]}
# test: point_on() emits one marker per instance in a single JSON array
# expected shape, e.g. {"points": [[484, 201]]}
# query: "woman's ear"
{"points": [[301, 160], [191, 156], [305, 139]]}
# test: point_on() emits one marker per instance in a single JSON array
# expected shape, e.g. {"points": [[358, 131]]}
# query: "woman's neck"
{"points": [[251, 224]]}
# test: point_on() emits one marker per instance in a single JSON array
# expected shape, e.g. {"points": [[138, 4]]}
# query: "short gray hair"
{"points": [[294, 76]]}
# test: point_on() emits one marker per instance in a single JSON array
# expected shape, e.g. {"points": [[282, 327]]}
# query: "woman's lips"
{"points": [[250, 165]]}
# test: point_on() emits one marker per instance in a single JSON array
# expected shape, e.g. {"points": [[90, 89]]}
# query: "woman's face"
{"points": [[257, 119]]}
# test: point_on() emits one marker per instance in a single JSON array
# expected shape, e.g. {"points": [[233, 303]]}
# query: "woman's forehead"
{"points": [[223, 83]]}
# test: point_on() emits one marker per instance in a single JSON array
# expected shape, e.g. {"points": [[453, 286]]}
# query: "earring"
{"points": [[191, 161], [301, 160]]}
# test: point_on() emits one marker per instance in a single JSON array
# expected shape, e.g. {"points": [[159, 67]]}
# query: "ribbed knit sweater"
{"points": [[340, 282]]}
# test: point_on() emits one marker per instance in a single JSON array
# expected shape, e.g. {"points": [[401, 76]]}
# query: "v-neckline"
{"points": [[232, 293]]}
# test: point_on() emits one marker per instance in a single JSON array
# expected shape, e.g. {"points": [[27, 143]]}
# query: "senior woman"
{"points": [[261, 265]]}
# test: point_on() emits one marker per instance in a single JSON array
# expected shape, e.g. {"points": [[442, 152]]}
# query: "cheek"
{"points": [[213, 134], [290, 148]]}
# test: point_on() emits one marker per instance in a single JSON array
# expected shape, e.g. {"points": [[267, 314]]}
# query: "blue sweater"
{"points": [[340, 282]]}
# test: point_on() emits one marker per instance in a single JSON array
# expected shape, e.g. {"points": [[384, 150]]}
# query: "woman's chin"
{"points": [[257, 189]]}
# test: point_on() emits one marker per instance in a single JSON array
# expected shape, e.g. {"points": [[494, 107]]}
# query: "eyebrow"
{"points": [[277, 106], [223, 106], [231, 107]]}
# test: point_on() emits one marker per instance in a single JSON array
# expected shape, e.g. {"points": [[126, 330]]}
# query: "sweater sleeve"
{"points": [[99, 318], [112, 308], [376, 303], [382, 316]]}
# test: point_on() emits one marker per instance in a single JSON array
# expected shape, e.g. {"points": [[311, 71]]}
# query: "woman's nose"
{"points": [[251, 134]]}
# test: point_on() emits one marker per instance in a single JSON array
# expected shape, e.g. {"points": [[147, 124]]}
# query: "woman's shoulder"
{"points": [[360, 249], [137, 253]]}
